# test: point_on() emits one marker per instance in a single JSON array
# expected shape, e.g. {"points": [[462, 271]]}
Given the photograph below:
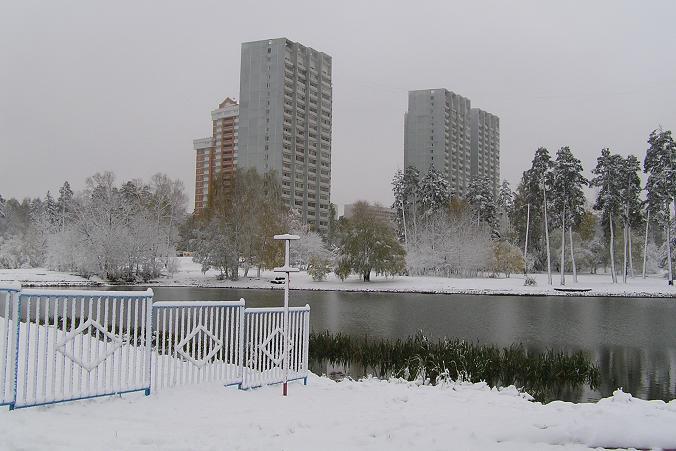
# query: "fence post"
{"points": [[240, 360], [15, 299], [306, 341], [148, 351]]}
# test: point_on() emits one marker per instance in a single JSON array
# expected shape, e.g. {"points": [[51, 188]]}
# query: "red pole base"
{"points": [[284, 390]]}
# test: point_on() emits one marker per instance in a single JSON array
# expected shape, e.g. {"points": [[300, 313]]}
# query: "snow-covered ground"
{"points": [[190, 274], [366, 415], [40, 277]]}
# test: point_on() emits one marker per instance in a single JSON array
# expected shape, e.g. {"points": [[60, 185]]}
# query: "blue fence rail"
{"points": [[65, 345]]}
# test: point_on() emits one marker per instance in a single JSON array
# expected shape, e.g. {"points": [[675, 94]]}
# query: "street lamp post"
{"points": [[287, 269]]}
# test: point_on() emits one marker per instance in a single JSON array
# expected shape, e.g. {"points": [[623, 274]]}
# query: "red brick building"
{"points": [[216, 156]]}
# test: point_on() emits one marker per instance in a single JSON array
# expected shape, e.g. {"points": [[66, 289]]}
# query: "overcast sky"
{"points": [[89, 86]]}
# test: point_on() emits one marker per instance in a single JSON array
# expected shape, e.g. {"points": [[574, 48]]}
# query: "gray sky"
{"points": [[88, 86]]}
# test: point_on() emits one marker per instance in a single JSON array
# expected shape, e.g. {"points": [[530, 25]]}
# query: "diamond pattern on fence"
{"points": [[199, 362], [82, 344], [197, 342], [116, 342], [265, 345]]}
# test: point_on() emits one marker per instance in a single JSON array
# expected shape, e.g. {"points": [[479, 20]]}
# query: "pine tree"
{"points": [[568, 200], [435, 192], [506, 198], [660, 165], [405, 187], [64, 203], [479, 196], [531, 197], [631, 205], [51, 209], [608, 180]]}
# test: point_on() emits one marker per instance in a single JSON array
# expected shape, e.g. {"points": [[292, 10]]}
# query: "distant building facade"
{"points": [[216, 156], [285, 122], [439, 133], [384, 213], [486, 147]]}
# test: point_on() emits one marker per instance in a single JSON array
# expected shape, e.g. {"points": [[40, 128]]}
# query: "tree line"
{"points": [[131, 231], [125, 232]]}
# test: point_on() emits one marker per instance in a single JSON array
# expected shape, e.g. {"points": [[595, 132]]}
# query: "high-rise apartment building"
{"points": [[285, 121], [216, 156], [437, 133], [442, 130], [486, 147]]}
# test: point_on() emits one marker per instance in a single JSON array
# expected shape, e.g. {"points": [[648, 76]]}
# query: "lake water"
{"points": [[632, 340]]}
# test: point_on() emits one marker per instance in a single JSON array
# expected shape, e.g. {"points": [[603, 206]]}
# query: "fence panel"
{"points": [[264, 353], [198, 342], [9, 299], [82, 344]]}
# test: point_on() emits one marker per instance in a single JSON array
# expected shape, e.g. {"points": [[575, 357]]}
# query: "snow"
{"points": [[190, 274], [366, 415], [41, 277]]}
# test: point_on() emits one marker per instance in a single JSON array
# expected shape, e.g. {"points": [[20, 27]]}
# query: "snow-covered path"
{"points": [[367, 415]]}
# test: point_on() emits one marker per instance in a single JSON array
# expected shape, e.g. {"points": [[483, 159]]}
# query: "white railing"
{"points": [[9, 300], [82, 344], [264, 351], [63, 345], [198, 342]]}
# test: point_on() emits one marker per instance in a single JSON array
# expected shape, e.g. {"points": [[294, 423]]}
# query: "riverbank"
{"points": [[190, 275], [366, 415]]}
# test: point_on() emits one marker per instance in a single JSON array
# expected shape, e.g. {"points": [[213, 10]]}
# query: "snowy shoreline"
{"points": [[471, 292], [189, 275], [370, 414]]}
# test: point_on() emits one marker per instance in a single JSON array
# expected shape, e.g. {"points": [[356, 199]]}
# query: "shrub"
{"points": [[318, 268]]}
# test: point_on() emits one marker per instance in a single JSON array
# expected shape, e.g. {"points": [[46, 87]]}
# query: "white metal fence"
{"points": [[264, 352], [82, 344], [62, 345], [9, 300], [198, 342]]}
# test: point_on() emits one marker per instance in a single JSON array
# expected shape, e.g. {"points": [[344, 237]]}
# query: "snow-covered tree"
{"points": [[660, 165], [505, 200], [479, 196], [507, 258], [632, 208], [369, 244], [608, 180], [65, 204], [531, 195], [405, 187], [568, 200], [310, 247], [435, 192], [248, 211]]}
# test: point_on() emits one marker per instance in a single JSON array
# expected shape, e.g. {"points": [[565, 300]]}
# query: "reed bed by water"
{"points": [[544, 375]]}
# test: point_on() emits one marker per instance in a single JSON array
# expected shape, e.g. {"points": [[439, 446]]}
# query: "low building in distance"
{"points": [[216, 156], [385, 214]]}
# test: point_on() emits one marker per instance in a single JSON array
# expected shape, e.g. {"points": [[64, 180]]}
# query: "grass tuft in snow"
{"points": [[544, 375]]}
